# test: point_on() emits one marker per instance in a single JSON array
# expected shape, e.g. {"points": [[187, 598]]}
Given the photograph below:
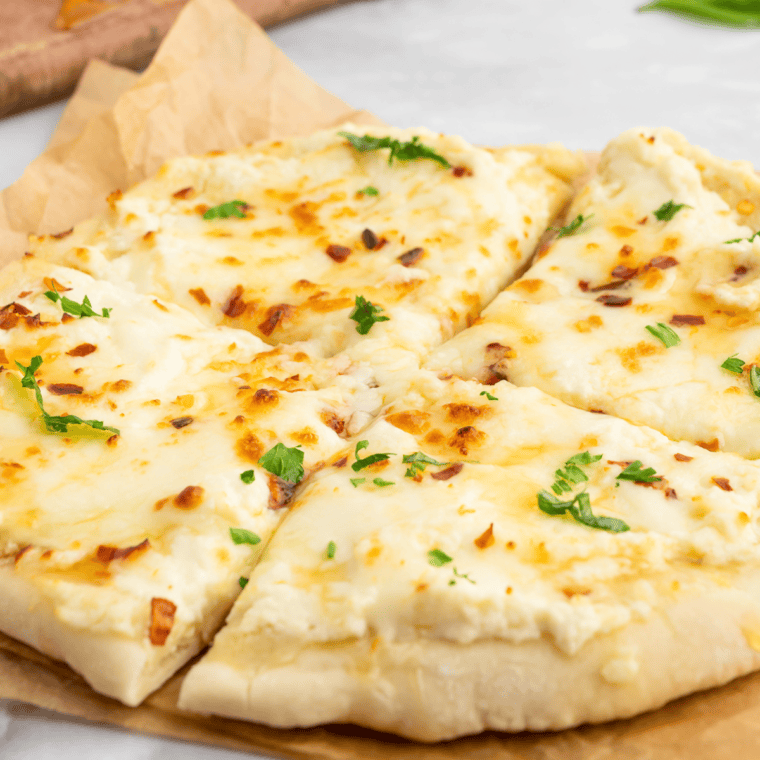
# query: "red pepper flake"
{"points": [[597, 411], [614, 285], [65, 389], [461, 171], [20, 553], [682, 458], [161, 620], [713, 445], [583, 286], [610, 300], [107, 554], [622, 272], [682, 320], [65, 318], [624, 252], [275, 314], [52, 284], [342, 462], [722, 483], [235, 305], [280, 492], [83, 349], [739, 272], [662, 262], [485, 539], [61, 235], [411, 257], [189, 498], [183, 194], [369, 239], [449, 472], [180, 422], [643, 220], [199, 294], [338, 253], [35, 321]]}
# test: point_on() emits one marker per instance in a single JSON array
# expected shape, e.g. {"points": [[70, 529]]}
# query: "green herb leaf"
{"points": [[733, 364], [380, 482], [330, 551], [735, 240], [665, 334], [571, 474], [488, 396], [750, 239], [438, 558], [248, 476], [401, 151], [365, 315], [355, 482], [637, 475], [243, 536], [735, 13], [668, 210], [80, 310], [572, 228], [360, 464], [226, 210], [580, 509], [286, 463], [754, 379], [59, 424], [418, 462], [464, 576], [369, 190], [243, 582]]}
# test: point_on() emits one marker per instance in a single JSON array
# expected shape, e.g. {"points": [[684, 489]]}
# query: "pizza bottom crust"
{"points": [[434, 690], [127, 669]]}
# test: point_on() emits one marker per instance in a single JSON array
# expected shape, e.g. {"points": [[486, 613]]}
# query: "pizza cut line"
{"points": [[291, 388]]}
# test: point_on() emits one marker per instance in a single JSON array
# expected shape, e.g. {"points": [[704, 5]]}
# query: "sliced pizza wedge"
{"points": [[145, 460], [367, 239], [486, 557], [645, 306]]}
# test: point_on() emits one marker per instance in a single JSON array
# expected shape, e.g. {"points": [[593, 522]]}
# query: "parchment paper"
{"points": [[219, 82]]}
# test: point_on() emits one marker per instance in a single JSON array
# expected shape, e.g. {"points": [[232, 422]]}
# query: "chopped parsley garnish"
{"points": [[438, 558], [226, 210], [401, 151], [356, 482], [488, 396], [754, 379], [360, 464], [243, 582], [580, 509], [369, 190], [284, 462], [243, 536], [417, 463], [55, 424], [733, 364], [739, 240], [669, 209], [80, 310], [665, 334], [637, 475], [248, 476], [380, 482], [572, 474], [330, 551], [744, 14], [365, 315], [464, 576], [572, 227]]}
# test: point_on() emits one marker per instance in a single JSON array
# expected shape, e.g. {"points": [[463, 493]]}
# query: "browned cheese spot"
{"points": [[307, 436], [263, 398], [183, 194], [745, 207], [413, 422], [449, 472], [333, 421], [587, 325], [161, 620], [280, 492], [65, 389], [235, 305], [465, 437], [3, 357], [722, 483], [461, 171], [52, 284], [189, 497], [107, 554], [485, 539], [624, 253], [249, 448], [462, 414], [713, 445], [274, 315], [305, 218], [199, 294], [83, 349], [113, 198], [630, 357], [120, 386], [20, 553], [338, 253]]}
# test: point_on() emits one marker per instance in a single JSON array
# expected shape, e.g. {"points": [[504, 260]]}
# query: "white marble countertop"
{"points": [[494, 71]]}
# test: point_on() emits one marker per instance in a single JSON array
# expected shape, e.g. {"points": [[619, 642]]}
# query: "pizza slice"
{"points": [[645, 306], [486, 557], [378, 242], [145, 460]]}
